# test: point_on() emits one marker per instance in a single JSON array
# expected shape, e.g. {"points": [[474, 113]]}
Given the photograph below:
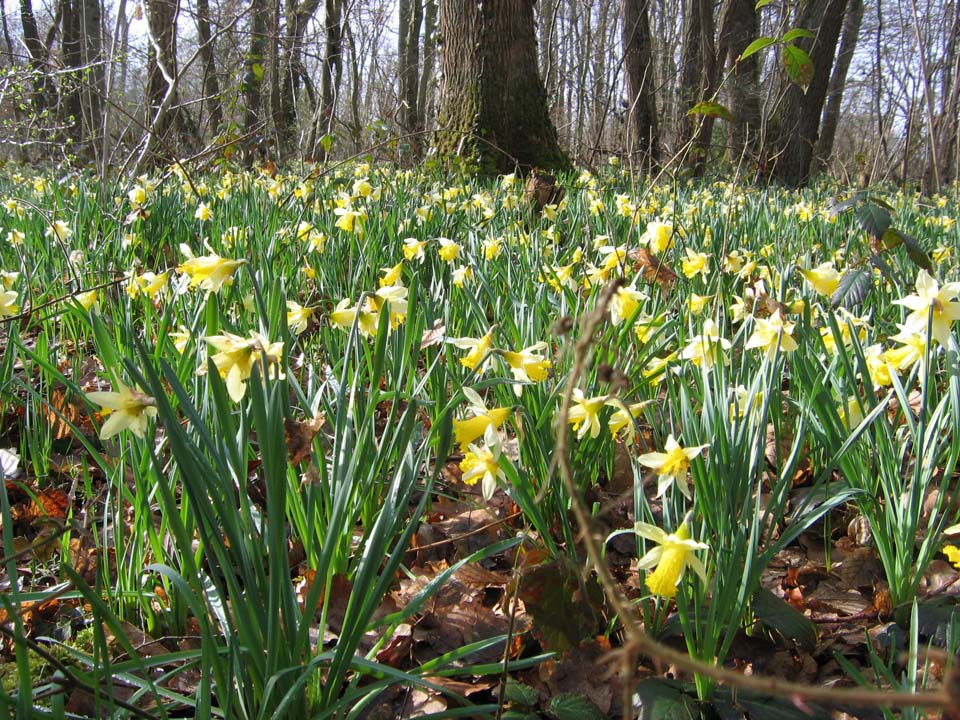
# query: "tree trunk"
{"points": [[254, 64], [697, 81], [211, 85], [838, 80], [72, 57], [947, 124], [493, 107], [332, 72], [162, 114], [798, 123], [642, 137], [739, 26], [408, 69], [428, 61]]}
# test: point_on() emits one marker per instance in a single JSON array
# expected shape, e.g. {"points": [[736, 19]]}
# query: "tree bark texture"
{"points": [[697, 81], [330, 77], [161, 112], [642, 136], [797, 125], [739, 26], [852, 21], [493, 106], [211, 84]]}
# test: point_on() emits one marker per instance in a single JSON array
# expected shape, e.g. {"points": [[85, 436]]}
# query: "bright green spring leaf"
{"points": [[711, 109], [798, 64], [756, 46]]}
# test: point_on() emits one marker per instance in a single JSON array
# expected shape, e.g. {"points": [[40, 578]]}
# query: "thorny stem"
{"points": [[638, 642]]}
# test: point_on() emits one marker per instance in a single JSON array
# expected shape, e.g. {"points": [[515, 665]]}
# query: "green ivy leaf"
{"points": [[711, 109], [798, 64]]}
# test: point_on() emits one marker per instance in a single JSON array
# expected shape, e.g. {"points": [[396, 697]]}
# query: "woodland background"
{"points": [[122, 84]]}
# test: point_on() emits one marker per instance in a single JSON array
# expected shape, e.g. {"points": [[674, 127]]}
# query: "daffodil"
{"points": [[933, 303], [772, 333], [449, 250], [953, 554], [479, 350], [659, 235], [482, 422], [878, 366], [625, 303], [89, 300], [59, 230], [209, 272], [482, 463], [623, 417], [824, 278], [673, 554], [672, 465], [413, 249], [129, 409], [695, 263], [707, 348], [527, 365], [343, 316], [585, 413], [697, 303], [461, 275], [395, 296], [147, 283], [298, 317], [203, 213], [8, 303], [492, 247], [391, 275], [237, 356]]}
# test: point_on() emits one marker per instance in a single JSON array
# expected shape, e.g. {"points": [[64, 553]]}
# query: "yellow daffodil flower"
{"points": [[695, 263], [391, 275], [771, 333], [461, 275], [413, 249], [659, 236], [672, 465], [298, 317], [621, 422], [706, 349], [203, 212], [824, 278], [449, 250], [8, 303], [585, 414], [209, 272], [479, 348], [672, 555], [625, 303], [148, 283], [59, 230], [343, 315], [933, 303], [527, 365], [483, 464], [129, 409], [482, 423], [237, 356]]}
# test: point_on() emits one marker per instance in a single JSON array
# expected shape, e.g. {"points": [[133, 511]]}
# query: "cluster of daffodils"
{"points": [[390, 297], [527, 365], [480, 441]]}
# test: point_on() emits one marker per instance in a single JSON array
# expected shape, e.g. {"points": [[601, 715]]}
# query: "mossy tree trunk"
{"points": [[493, 106]]}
